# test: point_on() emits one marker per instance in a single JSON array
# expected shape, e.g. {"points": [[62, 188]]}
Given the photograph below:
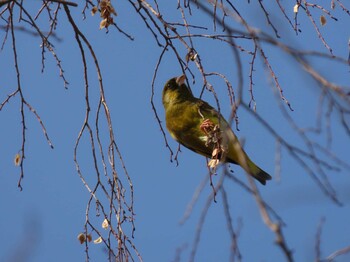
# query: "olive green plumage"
{"points": [[185, 114]]}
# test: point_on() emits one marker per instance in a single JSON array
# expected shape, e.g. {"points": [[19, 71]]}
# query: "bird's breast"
{"points": [[181, 120]]}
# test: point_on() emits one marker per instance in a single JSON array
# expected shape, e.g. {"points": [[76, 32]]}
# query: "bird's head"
{"points": [[175, 90]]}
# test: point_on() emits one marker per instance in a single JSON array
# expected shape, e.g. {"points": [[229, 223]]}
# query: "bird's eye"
{"points": [[168, 85]]}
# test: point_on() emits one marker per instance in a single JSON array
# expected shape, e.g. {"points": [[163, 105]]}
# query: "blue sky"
{"points": [[46, 217]]}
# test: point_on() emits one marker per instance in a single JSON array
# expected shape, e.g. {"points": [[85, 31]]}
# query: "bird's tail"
{"points": [[257, 172], [237, 155]]}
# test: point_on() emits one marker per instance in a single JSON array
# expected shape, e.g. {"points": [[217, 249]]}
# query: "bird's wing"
{"points": [[192, 136]]}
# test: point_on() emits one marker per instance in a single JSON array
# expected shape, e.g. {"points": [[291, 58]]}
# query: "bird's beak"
{"points": [[180, 80]]}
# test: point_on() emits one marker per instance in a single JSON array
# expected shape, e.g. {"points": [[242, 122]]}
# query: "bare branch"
{"points": [[318, 240], [337, 253], [275, 227]]}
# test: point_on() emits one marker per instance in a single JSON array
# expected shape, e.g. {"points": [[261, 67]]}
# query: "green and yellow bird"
{"points": [[199, 127]]}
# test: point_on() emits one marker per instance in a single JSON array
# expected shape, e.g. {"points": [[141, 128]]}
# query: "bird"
{"points": [[201, 128]]}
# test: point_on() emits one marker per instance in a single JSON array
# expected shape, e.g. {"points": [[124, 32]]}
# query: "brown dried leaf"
{"points": [[103, 23], [94, 10], [17, 159], [213, 163], [81, 238], [105, 224], [296, 8], [89, 238], [98, 240]]}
